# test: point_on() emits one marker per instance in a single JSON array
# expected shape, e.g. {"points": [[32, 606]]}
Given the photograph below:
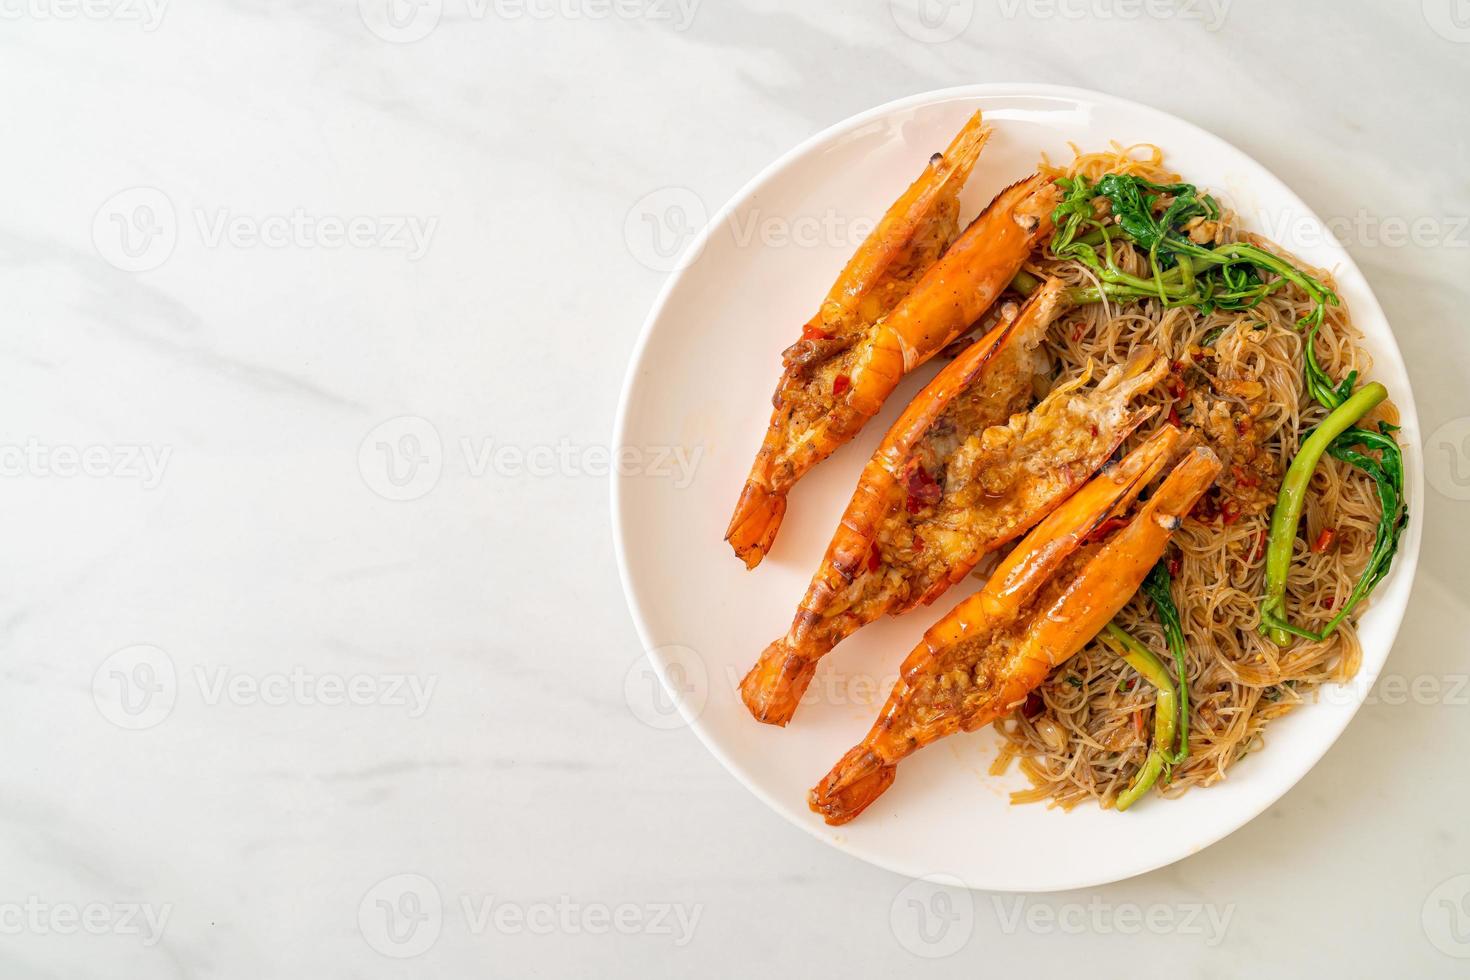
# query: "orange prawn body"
{"points": [[876, 325], [1046, 601]]}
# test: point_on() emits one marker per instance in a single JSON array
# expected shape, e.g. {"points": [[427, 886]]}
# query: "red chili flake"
{"points": [[1242, 425], [1177, 389], [1094, 430], [1106, 527], [1079, 330], [1033, 705], [1260, 548], [1174, 564], [1244, 477], [1324, 540], [1130, 683], [1174, 419], [873, 560], [923, 490], [1138, 722], [1177, 367], [1230, 512], [811, 332], [918, 544], [840, 384], [1331, 604]]}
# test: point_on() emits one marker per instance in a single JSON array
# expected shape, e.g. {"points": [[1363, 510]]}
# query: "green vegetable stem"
{"points": [[1166, 718], [1155, 219]]}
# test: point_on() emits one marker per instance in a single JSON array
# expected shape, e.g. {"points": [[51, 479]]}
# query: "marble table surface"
{"points": [[314, 647]]}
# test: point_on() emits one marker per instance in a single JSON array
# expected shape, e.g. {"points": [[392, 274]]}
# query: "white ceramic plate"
{"points": [[701, 379]]}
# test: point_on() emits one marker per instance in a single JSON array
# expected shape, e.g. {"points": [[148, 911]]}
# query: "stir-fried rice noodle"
{"points": [[1237, 378]]}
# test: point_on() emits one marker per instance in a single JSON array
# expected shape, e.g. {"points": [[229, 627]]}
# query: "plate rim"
{"points": [[1407, 405]]}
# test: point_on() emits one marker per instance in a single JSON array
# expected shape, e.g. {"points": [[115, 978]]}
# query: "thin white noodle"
{"points": [[1238, 680]]}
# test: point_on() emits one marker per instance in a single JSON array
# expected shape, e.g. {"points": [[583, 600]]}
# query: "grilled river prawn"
{"points": [[878, 324], [910, 238], [1050, 596], [948, 485]]}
